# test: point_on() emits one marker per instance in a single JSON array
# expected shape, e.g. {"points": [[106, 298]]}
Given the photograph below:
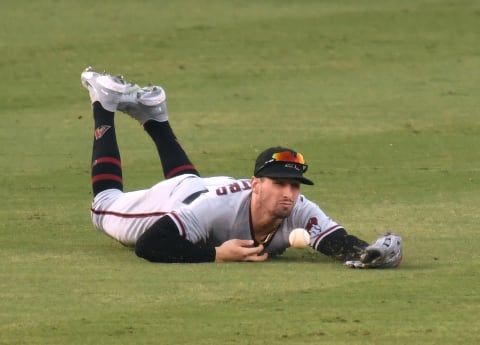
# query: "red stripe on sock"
{"points": [[179, 169], [107, 160], [103, 177]]}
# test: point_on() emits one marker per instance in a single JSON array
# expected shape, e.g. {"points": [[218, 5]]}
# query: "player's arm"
{"points": [[163, 243], [342, 246], [385, 252]]}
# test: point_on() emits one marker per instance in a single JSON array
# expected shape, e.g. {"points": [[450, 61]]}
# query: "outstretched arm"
{"points": [[341, 246], [386, 252], [163, 243]]}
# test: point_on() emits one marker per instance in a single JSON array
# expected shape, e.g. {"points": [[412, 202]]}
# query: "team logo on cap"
{"points": [[293, 166]]}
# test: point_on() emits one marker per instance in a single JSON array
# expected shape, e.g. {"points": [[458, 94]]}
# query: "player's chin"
{"points": [[283, 212]]}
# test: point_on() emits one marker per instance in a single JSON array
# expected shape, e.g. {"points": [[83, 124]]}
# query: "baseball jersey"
{"points": [[218, 211], [223, 213]]}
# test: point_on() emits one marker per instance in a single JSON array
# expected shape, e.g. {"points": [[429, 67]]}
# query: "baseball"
{"points": [[299, 238]]}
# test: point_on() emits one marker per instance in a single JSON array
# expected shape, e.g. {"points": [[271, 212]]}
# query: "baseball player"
{"points": [[188, 218]]}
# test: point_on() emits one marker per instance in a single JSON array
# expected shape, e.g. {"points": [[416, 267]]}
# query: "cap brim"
{"points": [[306, 181], [300, 179]]}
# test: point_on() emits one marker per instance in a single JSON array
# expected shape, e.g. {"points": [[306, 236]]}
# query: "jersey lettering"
{"points": [[233, 188], [246, 185], [221, 191]]}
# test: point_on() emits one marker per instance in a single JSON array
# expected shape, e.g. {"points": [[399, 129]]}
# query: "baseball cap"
{"points": [[281, 162]]}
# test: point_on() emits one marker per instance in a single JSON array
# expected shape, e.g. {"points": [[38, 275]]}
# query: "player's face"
{"points": [[277, 196]]}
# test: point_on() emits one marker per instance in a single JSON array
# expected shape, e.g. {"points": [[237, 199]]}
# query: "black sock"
{"points": [[172, 156], [106, 162]]}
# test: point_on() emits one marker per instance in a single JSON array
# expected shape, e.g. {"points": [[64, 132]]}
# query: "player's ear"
{"points": [[255, 182]]}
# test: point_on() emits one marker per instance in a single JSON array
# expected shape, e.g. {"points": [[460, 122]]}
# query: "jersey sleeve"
{"points": [[309, 216], [195, 220], [327, 236]]}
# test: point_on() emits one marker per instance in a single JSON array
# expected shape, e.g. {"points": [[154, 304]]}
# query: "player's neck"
{"points": [[264, 226], [264, 234]]}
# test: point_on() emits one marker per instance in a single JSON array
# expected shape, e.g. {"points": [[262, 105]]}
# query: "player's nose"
{"points": [[289, 191]]}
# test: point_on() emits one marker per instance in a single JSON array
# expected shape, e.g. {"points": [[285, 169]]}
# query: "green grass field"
{"points": [[382, 97]]}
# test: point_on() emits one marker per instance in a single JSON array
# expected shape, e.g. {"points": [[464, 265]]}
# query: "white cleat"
{"points": [[144, 104], [105, 88]]}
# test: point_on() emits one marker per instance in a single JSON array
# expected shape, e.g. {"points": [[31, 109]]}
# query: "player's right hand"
{"points": [[239, 250]]}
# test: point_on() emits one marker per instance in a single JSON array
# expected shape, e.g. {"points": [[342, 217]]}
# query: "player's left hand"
{"points": [[386, 252]]}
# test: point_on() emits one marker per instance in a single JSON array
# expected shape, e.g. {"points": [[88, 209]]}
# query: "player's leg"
{"points": [[105, 93], [111, 209], [106, 163], [124, 216], [174, 159], [148, 106]]}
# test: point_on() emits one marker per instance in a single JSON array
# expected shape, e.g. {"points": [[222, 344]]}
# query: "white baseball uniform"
{"points": [[218, 211]]}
